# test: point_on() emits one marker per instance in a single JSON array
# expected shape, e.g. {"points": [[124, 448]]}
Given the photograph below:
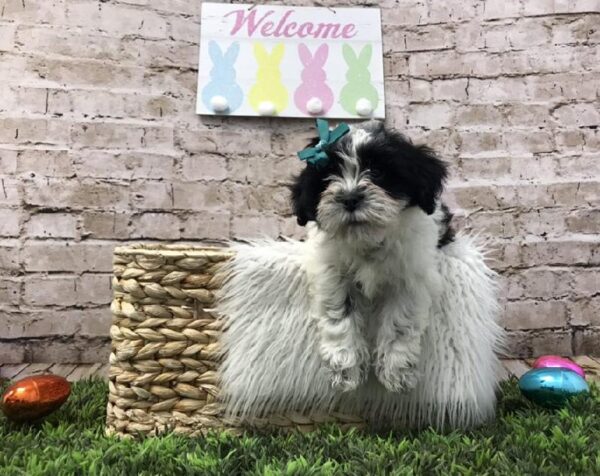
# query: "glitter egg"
{"points": [[557, 361]]}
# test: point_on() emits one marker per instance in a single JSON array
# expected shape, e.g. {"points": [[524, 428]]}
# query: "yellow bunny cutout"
{"points": [[268, 95]]}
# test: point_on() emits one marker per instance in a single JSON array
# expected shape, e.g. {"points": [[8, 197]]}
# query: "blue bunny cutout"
{"points": [[222, 77]]}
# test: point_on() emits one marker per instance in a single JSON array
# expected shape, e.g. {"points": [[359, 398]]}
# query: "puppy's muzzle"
{"points": [[351, 200]]}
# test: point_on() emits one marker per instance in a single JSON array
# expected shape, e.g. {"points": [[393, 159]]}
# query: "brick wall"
{"points": [[99, 145]]}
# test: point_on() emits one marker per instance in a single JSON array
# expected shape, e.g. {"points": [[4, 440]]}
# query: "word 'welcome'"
{"points": [[266, 25]]}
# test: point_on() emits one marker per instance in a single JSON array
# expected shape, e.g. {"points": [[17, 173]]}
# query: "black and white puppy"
{"points": [[378, 224]]}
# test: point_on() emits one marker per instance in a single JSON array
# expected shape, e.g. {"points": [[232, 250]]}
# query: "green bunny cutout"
{"points": [[358, 77]]}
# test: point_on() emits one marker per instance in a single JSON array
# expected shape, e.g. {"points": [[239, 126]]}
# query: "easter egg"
{"points": [[551, 387], [557, 361], [34, 397]]}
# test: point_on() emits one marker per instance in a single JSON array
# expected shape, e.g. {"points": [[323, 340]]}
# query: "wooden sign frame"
{"points": [[267, 60]]}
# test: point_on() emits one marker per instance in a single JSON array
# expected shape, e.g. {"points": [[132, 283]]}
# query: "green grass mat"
{"points": [[524, 440]]}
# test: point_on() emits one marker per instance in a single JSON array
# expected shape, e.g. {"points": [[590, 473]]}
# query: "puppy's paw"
{"points": [[346, 368], [397, 375]]}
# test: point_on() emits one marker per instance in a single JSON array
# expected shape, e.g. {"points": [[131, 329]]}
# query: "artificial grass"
{"points": [[524, 440]]}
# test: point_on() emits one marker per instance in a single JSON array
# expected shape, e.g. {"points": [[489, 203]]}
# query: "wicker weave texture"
{"points": [[165, 345]]}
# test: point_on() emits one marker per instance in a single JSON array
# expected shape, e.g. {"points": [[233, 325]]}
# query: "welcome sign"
{"points": [[290, 61]]}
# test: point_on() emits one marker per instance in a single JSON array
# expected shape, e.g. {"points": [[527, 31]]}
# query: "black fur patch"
{"points": [[447, 232], [403, 170]]}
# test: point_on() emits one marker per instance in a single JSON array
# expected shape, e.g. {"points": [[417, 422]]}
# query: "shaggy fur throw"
{"points": [[272, 365]]}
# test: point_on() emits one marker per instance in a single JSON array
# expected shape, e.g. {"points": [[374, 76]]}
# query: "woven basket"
{"points": [[165, 346]]}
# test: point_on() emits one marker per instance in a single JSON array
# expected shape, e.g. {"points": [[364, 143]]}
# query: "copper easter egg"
{"points": [[34, 397]]}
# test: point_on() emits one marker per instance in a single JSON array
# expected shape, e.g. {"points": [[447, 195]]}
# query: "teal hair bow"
{"points": [[316, 155]]}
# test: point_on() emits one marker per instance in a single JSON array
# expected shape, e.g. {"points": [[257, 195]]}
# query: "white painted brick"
{"points": [[586, 282], [12, 352], [77, 72], [94, 289], [152, 195], [209, 196], [76, 194], [45, 163], [7, 37], [578, 114], [494, 9], [583, 221], [34, 11], [531, 314], [9, 255], [452, 12], [51, 291], [101, 225], [10, 220], [419, 90], [204, 167], [586, 312], [548, 7], [70, 42], [405, 12], [123, 136], [8, 161], [479, 115], [254, 199], [94, 103], [250, 142], [248, 226], [165, 226], [184, 29], [520, 35], [123, 165], [32, 131], [431, 116], [431, 37], [43, 323], [10, 291], [206, 226], [18, 100], [51, 225], [95, 323], [451, 89], [61, 256], [117, 19], [581, 30]]}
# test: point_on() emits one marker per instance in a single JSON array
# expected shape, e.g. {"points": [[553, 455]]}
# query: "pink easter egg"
{"points": [[557, 361]]}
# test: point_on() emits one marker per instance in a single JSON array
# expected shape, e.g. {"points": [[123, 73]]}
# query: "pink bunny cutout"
{"points": [[313, 96]]}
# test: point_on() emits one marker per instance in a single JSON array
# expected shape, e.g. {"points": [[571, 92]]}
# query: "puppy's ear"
{"points": [[306, 193], [430, 177]]}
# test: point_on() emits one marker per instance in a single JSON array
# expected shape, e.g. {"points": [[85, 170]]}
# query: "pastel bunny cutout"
{"points": [[358, 88], [313, 91], [223, 93], [268, 95]]}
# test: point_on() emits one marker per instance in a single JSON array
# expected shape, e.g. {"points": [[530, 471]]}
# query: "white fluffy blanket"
{"points": [[271, 364]]}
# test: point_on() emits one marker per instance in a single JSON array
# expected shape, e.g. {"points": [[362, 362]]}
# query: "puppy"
{"points": [[376, 224]]}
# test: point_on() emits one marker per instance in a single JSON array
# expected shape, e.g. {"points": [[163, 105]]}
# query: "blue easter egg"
{"points": [[551, 387]]}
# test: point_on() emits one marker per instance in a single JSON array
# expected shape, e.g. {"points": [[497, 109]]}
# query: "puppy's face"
{"points": [[372, 175]]}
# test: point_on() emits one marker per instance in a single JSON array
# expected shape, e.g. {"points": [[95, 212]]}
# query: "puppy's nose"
{"points": [[351, 200]]}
